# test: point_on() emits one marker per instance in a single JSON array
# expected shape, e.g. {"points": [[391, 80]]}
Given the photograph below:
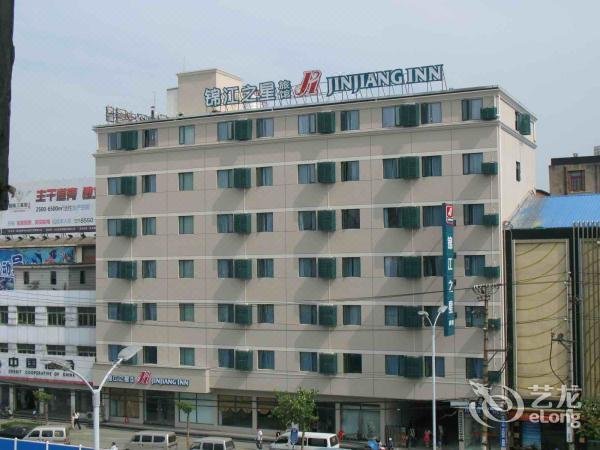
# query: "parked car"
{"points": [[16, 431], [149, 439], [54, 434], [213, 443], [312, 441]]}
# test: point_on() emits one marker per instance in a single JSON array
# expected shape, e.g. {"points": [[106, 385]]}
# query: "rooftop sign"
{"points": [[334, 88]]}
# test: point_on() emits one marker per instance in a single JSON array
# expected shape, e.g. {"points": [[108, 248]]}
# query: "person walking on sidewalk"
{"points": [[259, 438], [427, 437], [76, 420]]}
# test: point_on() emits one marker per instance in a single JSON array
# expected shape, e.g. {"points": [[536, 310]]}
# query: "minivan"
{"points": [[160, 440], [213, 443], [59, 435], [312, 441]]}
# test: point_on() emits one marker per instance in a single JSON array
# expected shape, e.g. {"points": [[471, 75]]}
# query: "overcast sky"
{"points": [[75, 57]]}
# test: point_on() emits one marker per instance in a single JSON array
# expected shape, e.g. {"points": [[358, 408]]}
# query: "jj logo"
{"points": [[310, 83]]}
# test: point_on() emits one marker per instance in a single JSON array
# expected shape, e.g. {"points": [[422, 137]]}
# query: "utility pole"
{"points": [[7, 58], [484, 293]]}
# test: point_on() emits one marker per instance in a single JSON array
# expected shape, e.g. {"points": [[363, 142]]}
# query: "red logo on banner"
{"points": [[450, 214], [310, 83], [143, 377]]}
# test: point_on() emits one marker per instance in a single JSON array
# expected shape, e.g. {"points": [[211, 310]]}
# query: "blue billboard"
{"points": [[10, 257]]}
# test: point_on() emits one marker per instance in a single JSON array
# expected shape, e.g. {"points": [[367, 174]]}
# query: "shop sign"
{"points": [[311, 88], [448, 267], [34, 369], [145, 378]]}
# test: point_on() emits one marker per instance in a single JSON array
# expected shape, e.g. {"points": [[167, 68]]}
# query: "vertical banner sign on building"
{"points": [[448, 271]]}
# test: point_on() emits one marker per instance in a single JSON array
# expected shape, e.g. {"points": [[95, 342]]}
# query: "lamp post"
{"points": [[441, 310], [124, 355]]}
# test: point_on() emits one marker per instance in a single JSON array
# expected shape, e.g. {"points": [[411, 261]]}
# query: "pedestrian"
{"points": [[412, 435], [390, 444], [277, 434], [259, 438], [76, 420], [340, 435], [114, 447], [73, 420], [427, 437], [440, 436]]}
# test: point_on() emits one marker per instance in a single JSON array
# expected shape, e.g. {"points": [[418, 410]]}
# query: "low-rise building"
{"points": [[575, 174]]}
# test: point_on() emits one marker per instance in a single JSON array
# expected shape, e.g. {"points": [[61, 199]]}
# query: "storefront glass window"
{"points": [[124, 403], [360, 421], [160, 408], [264, 408], [235, 411], [205, 408]]}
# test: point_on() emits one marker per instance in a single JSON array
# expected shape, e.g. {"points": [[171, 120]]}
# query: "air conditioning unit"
{"points": [[34, 285]]}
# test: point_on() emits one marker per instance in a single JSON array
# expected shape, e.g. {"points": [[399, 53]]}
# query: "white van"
{"points": [[312, 441], [59, 435], [148, 439], [213, 443]]}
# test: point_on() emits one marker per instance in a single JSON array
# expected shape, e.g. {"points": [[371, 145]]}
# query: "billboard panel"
{"points": [[59, 206]]}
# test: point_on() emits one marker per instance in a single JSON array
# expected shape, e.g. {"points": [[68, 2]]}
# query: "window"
{"points": [[186, 312], [432, 166], [148, 226], [114, 186], [56, 316], [264, 128], [432, 266], [151, 137], [388, 116], [26, 315], [265, 313], [264, 268], [576, 180], [440, 366], [186, 268], [148, 269], [53, 277], [309, 362], [472, 163], [186, 224], [4, 315], [307, 173], [307, 124], [226, 358], [187, 135], [264, 222], [393, 315], [390, 168], [264, 176], [391, 266], [225, 178], [308, 314], [474, 265], [28, 349], [56, 350], [352, 314], [86, 316], [225, 268], [113, 311], [266, 359], [351, 266], [474, 368], [148, 183], [150, 355], [150, 312], [518, 171], [123, 140], [431, 113], [307, 220], [186, 356], [224, 223], [307, 267], [352, 363], [474, 316], [350, 170], [225, 131], [25, 277], [471, 109], [392, 364], [349, 120], [186, 181], [225, 312], [433, 216], [86, 351], [82, 277], [473, 214], [350, 219]]}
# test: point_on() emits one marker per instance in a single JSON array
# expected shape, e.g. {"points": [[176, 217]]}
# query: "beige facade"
{"points": [[372, 143], [575, 175]]}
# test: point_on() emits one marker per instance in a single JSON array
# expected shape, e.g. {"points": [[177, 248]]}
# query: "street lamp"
{"points": [[441, 310], [124, 355]]}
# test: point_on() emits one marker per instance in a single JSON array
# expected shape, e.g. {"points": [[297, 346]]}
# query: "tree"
{"points": [[590, 419], [43, 397], [186, 408], [296, 408]]}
